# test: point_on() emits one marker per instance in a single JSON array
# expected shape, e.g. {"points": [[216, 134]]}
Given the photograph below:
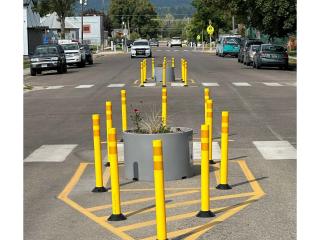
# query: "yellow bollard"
{"points": [[206, 97], [209, 121], [152, 68], [114, 175], [164, 77], [145, 70], [108, 123], [124, 110], [224, 152], [164, 106], [97, 154], [172, 62], [159, 190], [185, 74], [141, 74], [182, 69], [205, 178]]}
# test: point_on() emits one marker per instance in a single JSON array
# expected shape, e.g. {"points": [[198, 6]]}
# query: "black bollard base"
{"points": [[224, 187], [205, 214], [164, 85], [107, 164], [117, 217], [212, 162], [99, 189], [141, 85], [121, 140], [185, 85]]}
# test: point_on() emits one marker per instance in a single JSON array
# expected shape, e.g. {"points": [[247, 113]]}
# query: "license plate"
{"points": [[44, 65]]}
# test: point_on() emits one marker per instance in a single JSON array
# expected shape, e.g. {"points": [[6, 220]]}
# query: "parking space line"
{"points": [[84, 86], [116, 85], [53, 87]]}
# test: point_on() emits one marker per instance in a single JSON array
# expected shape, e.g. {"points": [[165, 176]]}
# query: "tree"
{"points": [[63, 8], [139, 14]]}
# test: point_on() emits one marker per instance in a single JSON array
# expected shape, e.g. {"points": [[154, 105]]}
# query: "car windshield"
{"points": [[46, 50], [272, 48], [141, 43], [70, 46], [231, 40], [254, 47]]}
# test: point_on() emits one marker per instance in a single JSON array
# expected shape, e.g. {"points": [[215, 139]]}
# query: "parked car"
{"points": [[141, 48], [228, 45], [175, 41], [48, 57], [271, 55], [248, 57], [88, 53], [245, 45], [75, 54], [154, 42]]}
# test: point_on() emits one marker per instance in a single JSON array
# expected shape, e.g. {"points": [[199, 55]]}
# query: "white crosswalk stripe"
{"points": [[197, 150], [210, 84], [51, 153], [276, 150], [84, 86], [272, 84], [116, 85], [177, 84], [149, 84], [241, 84], [120, 149], [54, 87]]}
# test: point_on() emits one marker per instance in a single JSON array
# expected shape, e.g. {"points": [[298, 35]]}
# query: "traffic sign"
{"points": [[198, 37], [210, 29]]}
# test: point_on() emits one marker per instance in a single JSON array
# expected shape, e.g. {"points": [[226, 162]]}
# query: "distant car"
{"points": [[245, 45], [175, 41], [154, 42], [271, 55], [228, 45], [141, 48], [88, 53], [48, 57], [75, 54], [248, 57]]}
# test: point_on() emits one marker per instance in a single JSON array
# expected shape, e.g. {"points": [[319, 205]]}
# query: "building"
{"points": [[33, 30], [93, 32]]}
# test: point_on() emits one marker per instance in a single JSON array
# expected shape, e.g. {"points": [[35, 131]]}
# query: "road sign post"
{"points": [[210, 31]]}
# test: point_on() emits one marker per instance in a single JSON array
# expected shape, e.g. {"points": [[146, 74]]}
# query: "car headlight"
{"points": [[133, 51], [54, 58], [147, 50], [34, 59]]}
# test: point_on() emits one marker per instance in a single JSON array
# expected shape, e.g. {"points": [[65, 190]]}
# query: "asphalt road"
{"points": [[264, 110]]}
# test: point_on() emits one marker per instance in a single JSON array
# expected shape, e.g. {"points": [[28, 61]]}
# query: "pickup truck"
{"points": [[142, 48], [48, 57], [75, 53]]}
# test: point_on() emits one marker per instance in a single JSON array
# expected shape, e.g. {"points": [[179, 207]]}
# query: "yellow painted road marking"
{"points": [[140, 200], [102, 222]]}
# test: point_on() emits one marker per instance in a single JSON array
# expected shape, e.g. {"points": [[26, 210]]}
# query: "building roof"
{"points": [[51, 20]]}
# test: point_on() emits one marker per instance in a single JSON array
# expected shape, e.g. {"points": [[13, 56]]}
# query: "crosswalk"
{"points": [[171, 84], [268, 150]]}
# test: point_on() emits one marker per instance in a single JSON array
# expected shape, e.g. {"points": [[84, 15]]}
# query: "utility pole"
{"points": [[82, 2], [232, 24]]}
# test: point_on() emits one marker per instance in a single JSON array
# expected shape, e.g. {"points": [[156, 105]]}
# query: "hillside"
{"points": [[178, 8]]}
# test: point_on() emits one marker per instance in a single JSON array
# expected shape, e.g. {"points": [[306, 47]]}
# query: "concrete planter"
{"points": [[169, 74], [177, 154]]}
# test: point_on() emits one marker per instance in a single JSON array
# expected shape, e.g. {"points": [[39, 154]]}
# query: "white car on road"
{"points": [[75, 53], [175, 41], [141, 48]]}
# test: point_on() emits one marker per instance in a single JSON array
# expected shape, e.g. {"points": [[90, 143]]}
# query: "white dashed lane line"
{"points": [[242, 84], [84, 86], [116, 85], [210, 84]]}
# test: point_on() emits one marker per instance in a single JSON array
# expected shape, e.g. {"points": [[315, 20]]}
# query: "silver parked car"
{"points": [[248, 55], [141, 47]]}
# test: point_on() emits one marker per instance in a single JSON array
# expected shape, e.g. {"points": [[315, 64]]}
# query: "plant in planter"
{"points": [[138, 152]]}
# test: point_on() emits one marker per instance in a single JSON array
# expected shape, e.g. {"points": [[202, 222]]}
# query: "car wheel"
{"points": [[258, 66], [90, 61], [65, 68], [39, 71], [60, 69], [33, 71], [238, 60]]}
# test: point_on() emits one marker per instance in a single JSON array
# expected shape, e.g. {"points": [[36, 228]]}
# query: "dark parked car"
{"points": [[129, 43], [245, 46], [272, 56], [154, 42], [88, 52], [48, 57]]}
